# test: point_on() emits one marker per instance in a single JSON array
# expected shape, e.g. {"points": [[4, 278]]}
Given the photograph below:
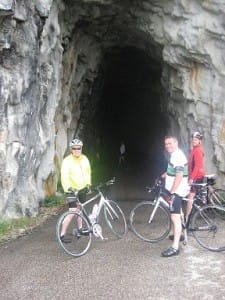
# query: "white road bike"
{"points": [[105, 210]]}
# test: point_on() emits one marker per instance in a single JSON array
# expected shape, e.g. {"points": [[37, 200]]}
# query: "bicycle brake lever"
{"points": [[111, 181], [149, 189]]}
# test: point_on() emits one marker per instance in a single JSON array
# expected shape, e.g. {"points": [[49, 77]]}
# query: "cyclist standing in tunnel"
{"points": [[176, 182], [122, 153], [75, 175]]}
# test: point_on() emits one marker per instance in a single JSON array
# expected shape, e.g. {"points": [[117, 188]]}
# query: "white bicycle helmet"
{"points": [[76, 142], [197, 135]]}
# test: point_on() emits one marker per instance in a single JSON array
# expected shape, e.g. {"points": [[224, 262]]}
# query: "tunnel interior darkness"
{"points": [[129, 110]]}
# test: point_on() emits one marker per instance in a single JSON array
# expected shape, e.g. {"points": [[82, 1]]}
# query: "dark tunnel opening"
{"points": [[129, 110]]}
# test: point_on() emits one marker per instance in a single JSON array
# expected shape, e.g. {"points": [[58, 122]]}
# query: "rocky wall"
{"points": [[50, 53]]}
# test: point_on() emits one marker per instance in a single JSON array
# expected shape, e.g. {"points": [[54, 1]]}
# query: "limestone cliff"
{"points": [[50, 57]]}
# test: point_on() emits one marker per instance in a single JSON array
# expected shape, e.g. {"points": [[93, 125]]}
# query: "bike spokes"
{"points": [[77, 239], [209, 228]]}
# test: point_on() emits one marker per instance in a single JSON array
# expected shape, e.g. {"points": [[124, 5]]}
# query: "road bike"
{"points": [[92, 224], [150, 221]]}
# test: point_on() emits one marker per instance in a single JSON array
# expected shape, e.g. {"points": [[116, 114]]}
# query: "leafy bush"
{"points": [[53, 201]]}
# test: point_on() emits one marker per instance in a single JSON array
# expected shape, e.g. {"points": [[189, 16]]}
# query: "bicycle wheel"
{"points": [[150, 224], [115, 218], [209, 228], [217, 197], [79, 240]]}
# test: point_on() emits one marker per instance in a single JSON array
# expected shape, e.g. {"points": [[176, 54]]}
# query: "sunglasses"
{"points": [[76, 148]]}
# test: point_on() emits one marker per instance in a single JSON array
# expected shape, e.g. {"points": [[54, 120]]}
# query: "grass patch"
{"points": [[13, 228], [11, 225]]}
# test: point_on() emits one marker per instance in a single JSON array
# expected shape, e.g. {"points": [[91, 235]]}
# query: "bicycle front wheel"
{"points": [[209, 228], [77, 240], [115, 218], [149, 223]]}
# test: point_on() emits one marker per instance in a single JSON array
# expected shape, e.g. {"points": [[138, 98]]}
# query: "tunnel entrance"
{"points": [[129, 110]]}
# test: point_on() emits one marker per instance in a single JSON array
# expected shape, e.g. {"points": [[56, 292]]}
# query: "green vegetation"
{"points": [[53, 201], [102, 169], [14, 227], [9, 225]]}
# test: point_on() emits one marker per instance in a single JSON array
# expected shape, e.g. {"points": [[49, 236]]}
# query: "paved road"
{"points": [[33, 267]]}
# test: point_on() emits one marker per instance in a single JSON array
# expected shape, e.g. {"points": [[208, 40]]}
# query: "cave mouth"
{"points": [[129, 110]]}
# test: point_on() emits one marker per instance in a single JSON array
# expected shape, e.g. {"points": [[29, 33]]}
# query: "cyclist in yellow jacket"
{"points": [[75, 174], [75, 170]]}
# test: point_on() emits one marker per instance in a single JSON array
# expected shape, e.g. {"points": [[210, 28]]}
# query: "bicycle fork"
{"points": [[112, 213], [157, 202]]}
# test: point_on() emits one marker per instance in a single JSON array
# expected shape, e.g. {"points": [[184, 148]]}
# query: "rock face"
{"points": [[51, 55]]}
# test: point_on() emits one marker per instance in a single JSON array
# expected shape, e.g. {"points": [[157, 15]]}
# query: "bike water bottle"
{"points": [[94, 213], [92, 219], [95, 210]]}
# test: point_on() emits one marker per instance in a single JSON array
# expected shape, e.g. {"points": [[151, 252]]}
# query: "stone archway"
{"points": [[53, 55]]}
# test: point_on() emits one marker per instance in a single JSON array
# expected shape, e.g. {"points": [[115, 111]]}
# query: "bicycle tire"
{"points": [[78, 245], [217, 197], [115, 218], [154, 231], [208, 227]]}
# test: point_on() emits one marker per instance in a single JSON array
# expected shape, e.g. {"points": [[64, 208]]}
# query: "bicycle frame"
{"points": [[101, 203], [160, 200], [157, 201]]}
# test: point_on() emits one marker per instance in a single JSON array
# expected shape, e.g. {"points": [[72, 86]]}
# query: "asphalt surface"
{"points": [[34, 267]]}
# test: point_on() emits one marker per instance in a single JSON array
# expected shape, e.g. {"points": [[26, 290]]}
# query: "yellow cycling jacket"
{"points": [[75, 172]]}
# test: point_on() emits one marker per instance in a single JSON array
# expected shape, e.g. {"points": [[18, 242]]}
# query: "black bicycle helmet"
{"points": [[197, 135]]}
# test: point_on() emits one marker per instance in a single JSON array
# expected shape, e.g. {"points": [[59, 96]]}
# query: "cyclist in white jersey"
{"points": [[176, 182]]}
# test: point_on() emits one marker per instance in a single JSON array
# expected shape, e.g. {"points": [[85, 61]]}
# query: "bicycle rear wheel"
{"points": [[79, 240], [209, 228], [115, 218], [217, 197], [148, 227]]}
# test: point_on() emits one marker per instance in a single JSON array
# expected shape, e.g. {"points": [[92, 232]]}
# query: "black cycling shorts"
{"points": [[175, 204], [72, 200]]}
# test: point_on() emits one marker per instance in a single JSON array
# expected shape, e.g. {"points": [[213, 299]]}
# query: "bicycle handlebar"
{"points": [[100, 185], [159, 184], [150, 189], [107, 183]]}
